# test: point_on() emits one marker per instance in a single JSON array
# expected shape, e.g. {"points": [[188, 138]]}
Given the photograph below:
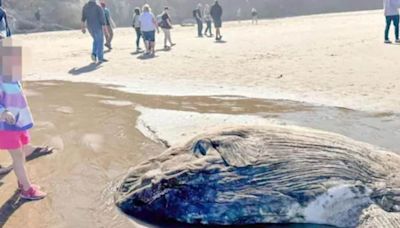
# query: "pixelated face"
{"points": [[12, 58]]}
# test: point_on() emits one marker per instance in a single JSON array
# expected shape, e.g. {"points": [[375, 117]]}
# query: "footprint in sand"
{"points": [[65, 110], [41, 125], [93, 141]]}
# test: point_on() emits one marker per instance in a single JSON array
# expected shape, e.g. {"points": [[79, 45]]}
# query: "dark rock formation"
{"points": [[267, 175]]}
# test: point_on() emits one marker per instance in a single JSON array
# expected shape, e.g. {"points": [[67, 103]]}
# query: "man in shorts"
{"points": [[148, 26]]}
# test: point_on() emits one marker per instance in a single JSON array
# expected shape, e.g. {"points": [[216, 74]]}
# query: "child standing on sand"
{"points": [[15, 118]]}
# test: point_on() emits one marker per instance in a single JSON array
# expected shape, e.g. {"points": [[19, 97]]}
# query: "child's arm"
{"points": [[2, 108], [5, 115]]}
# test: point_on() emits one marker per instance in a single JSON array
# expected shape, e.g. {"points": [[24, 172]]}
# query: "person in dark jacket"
{"points": [[93, 17], [166, 26], [216, 14], [197, 14], [38, 14], [4, 28]]}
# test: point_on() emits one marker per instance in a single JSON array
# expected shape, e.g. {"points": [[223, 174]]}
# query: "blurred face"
{"points": [[11, 61]]}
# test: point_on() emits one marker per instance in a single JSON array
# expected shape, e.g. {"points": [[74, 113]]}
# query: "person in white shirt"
{"points": [[392, 14], [148, 26]]}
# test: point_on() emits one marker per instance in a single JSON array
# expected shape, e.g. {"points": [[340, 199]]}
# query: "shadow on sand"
{"points": [[147, 57], [85, 69], [137, 52], [221, 41], [10, 207]]}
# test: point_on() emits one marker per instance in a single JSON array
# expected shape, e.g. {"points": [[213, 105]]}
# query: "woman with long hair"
{"points": [[166, 26], [136, 26]]}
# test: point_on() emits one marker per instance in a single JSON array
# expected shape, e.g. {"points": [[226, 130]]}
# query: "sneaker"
{"points": [[32, 194], [93, 56], [103, 60], [388, 42]]}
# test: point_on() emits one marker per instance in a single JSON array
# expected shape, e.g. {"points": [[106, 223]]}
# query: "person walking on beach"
{"points": [[38, 14], [216, 14], [4, 28], [239, 15], [16, 119], [93, 17], [109, 24], [136, 26], [392, 15], [166, 26], [254, 16], [148, 26], [208, 19], [199, 20]]}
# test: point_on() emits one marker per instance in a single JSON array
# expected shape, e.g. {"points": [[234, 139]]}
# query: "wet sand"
{"points": [[94, 131]]}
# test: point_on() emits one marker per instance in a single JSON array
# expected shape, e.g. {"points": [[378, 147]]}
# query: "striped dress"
{"points": [[12, 98]]}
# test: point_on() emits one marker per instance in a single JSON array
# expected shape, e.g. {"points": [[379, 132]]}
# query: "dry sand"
{"points": [[334, 59]]}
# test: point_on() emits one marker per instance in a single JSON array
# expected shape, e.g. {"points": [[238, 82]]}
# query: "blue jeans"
{"points": [[199, 27], [389, 20], [98, 44]]}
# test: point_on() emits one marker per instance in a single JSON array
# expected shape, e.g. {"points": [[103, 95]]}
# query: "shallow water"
{"points": [[93, 128]]}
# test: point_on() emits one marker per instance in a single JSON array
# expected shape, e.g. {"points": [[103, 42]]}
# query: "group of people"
{"points": [[208, 15], [146, 24], [98, 21], [15, 116]]}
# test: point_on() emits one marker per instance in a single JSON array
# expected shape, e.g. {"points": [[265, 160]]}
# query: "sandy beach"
{"points": [[330, 72], [334, 59]]}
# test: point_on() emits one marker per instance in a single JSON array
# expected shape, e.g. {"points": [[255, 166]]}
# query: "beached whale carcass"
{"points": [[271, 174]]}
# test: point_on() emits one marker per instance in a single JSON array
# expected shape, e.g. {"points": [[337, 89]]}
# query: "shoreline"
{"points": [[229, 91]]}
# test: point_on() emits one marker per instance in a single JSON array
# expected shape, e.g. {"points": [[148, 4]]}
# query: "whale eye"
{"points": [[201, 147]]}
